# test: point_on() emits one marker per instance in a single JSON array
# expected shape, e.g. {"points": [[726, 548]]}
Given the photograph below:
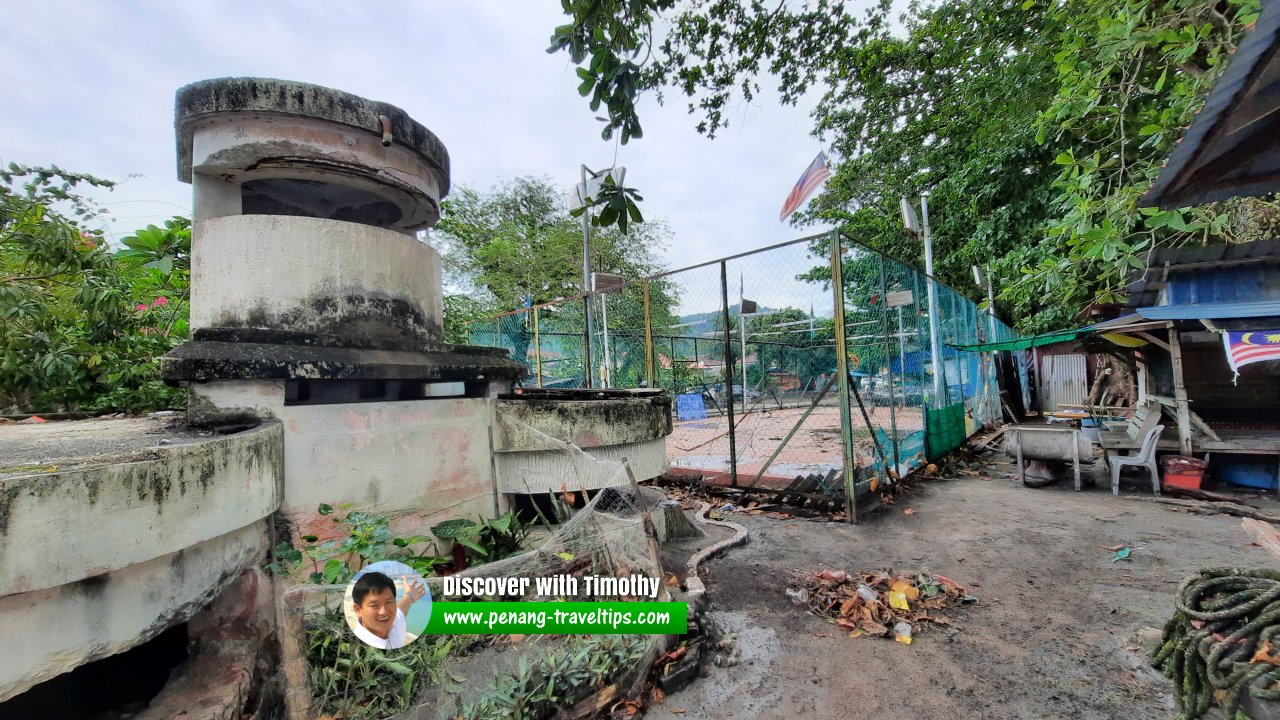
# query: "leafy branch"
{"points": [[618, 206]]}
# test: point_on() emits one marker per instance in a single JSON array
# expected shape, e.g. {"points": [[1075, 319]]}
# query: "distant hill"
{"points": [[701, 324]]}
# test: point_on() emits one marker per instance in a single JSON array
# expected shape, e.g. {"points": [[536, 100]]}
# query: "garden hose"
{"points": [[1225, 618]]}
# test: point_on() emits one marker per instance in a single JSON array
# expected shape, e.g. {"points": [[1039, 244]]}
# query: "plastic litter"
{"points": [[799, 596], [867, 594], [902, 633]]}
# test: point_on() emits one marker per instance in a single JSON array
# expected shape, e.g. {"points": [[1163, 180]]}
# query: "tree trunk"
{"points": [[676, 524]]}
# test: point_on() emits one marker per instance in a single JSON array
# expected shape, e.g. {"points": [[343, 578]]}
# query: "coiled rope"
{"points": [[1224, 618]]}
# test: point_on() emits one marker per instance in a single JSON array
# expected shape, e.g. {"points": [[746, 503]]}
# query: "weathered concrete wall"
{"points": [[245, 148], [525, 424], [63, 527], [420, 461], [544, 471], [231, 671], [255, 129], [52, 631], [528, 435], [345, 281]]}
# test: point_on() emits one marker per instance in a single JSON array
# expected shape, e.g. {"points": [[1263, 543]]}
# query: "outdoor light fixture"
{"points": [[909, 219], [587, 190]]}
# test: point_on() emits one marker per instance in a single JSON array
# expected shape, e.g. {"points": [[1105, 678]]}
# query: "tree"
{"points": [[1035, 127], [517, 246], [83, 326]]}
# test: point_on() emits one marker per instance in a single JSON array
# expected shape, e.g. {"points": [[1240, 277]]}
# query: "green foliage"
{"points": [[364, 538], [557, 679], [617, 206], [516, 245], [1035, 128], [488, 540], [459, 312], [350, 679], [84, 328], [610, 37], [1130, 76], [790, 347], [609, 41]]}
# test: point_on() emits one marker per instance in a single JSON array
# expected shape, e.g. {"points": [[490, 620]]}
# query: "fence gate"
{"points": [[1065, 381]]}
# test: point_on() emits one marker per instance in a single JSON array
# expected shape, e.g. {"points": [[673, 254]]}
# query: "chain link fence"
{"points": [[749, 346]]}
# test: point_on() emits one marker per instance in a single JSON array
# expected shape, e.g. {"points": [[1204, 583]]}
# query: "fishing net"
{"points": [[454, 676]]}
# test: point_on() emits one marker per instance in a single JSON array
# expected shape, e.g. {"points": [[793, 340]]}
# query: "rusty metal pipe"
{"points": [[386, 130]]}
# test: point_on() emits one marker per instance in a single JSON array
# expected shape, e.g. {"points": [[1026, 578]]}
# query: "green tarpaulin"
{"points": [[1025, 343], [944, 430]]}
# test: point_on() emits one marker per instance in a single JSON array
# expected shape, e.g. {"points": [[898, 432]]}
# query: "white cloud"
{"points": [[89, 86]]}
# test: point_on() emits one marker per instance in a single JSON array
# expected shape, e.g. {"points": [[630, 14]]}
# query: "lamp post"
{"points": [[985, 279], [605, 283], [915, 227], [586, 191]]}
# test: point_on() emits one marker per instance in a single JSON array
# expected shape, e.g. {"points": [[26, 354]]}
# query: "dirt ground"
{"points": [[703, 445], [1056, 634]]}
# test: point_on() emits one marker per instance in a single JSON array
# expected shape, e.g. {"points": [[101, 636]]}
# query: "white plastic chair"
{"points": [[1146, 458]]}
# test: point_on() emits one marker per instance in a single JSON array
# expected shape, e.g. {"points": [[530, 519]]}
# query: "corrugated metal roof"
{"points": [[1117, 323], [1190, 259], [1238, 115], [1212, 311]]}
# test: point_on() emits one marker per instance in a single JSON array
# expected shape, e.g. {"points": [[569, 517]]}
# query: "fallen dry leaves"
{"points": [[885, 599], [1263, 655]]}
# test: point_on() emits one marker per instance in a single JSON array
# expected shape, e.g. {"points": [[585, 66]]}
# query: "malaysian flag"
{"points": [[808, 182], [1251, 347]]}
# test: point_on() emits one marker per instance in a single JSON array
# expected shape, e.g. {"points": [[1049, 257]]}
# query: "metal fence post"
{"points": [[893, 401], [842, 367], [728, 372], [674, 389], [648, 338], [537, 346]]}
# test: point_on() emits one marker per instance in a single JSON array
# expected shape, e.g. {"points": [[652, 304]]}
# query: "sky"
{"points": [[89, 86]]}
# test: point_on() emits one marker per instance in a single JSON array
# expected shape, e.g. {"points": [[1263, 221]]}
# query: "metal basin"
{"points": [[1036, 448], [1036, 443]]}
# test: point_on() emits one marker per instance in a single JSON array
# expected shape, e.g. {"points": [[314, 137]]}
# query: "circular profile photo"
{"points": [[387, 604]]}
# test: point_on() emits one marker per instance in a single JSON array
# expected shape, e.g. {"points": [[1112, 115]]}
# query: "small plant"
{"points": [[486, 541], [557, 678], [352, 680], [368, 540]]}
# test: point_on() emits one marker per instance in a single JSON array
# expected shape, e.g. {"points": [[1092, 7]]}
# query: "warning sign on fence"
{"points": [[690, 407]]}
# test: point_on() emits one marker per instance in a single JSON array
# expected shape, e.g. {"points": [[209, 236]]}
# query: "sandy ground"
{"points": [[1056, 634], [701, 444]]}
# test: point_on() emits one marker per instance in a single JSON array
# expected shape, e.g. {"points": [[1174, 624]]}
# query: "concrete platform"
{"points": [[108, 537], [29, 446]]}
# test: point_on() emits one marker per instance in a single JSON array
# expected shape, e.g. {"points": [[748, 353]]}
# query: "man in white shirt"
{"points": [[380, 619]]}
